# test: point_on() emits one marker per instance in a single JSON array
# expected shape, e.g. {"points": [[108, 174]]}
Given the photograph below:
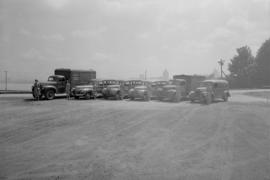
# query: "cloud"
{"points": [[57, 4], [221, 34], [91, 33], [32, 54], [100, 56], [53, 37]]}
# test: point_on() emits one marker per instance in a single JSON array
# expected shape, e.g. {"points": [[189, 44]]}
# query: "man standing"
{"points": [[37, 90], [68, 89]]}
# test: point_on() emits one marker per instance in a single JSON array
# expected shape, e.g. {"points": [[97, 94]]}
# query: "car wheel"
{"points": [[208, 99], [225, 98], [177, 98], [148, 97], [87, 96], [117, 96], [50, 94], [76, 97]]}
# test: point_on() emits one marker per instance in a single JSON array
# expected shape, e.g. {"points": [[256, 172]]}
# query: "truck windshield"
{"points": [[205, 84], [51, 78]]}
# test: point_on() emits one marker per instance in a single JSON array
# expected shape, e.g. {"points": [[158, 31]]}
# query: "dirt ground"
{"points": [[134, 140]]}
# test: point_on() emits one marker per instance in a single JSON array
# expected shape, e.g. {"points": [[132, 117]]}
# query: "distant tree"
{"points": [[214, 75], [263, 63], [242, 68]]}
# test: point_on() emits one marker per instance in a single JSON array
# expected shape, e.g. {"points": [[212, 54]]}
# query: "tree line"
{"points": [[248, 71]]}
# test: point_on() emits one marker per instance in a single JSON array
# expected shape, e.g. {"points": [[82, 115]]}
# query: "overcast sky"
{"points": [[123, 38]]}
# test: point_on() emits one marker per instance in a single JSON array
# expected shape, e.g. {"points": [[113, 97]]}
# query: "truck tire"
{"points": [[49, 94]]}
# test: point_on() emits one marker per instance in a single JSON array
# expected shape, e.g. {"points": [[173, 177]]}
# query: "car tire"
{"points": [[225, 98], [87, 96], [117, 96], [208, 100], [177, 98], [50, 94]]}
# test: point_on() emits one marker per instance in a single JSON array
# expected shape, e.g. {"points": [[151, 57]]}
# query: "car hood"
{"points": [[201, 89]]}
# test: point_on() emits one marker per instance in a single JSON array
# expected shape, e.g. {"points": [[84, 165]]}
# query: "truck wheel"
{"points": [[87, 96], [50, 94], [40, 97]]}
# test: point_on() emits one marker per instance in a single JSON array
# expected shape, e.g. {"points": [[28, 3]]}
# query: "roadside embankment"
{"points": [[14, 92]]}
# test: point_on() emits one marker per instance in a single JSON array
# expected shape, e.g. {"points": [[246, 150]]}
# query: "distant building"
{"points": [[165, 75], [142, 77]]}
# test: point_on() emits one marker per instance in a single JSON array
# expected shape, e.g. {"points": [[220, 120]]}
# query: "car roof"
{"points": [[179, 80], [59, 76], [216, 81], [142, 86]]}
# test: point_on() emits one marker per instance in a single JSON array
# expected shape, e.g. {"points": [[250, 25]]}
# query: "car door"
{"points": [[61, 85], [218, 90]]}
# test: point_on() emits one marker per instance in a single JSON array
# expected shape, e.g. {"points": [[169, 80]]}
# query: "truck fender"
{"points": [[45, 88]]}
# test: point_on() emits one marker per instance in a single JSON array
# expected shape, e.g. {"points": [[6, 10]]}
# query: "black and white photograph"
{"points": [[134, 89]]}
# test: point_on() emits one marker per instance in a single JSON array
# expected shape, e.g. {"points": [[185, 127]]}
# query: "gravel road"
{"points": [[134, 140]]}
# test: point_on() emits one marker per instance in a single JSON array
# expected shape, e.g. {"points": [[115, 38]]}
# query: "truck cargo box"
{"points": [[77, 77], [193, 81]]}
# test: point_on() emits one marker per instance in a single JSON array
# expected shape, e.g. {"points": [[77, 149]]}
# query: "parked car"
{"points": [[84, 91], [156, 87], [140, 92], [113, 91], [130, 84], [210, 90], [174, 91]]}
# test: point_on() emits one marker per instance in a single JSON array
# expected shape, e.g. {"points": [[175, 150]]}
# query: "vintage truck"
{"points": [[174, 91], [192, 81], [211, 90], [56, 83]]}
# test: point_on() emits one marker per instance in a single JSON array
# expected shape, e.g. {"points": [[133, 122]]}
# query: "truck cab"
{"points": [[60, 83]]}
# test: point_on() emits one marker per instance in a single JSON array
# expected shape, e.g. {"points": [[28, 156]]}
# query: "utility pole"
{"points": [[0, 80], [145, 75], [6, 79], [221, 63]]}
